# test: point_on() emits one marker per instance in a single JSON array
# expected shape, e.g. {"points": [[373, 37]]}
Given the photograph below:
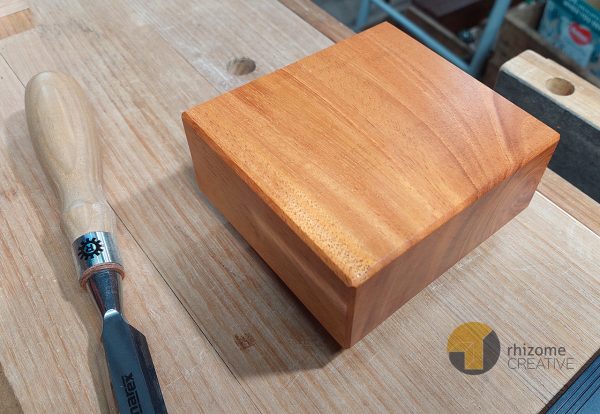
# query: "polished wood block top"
{"points": [[369, 146]]}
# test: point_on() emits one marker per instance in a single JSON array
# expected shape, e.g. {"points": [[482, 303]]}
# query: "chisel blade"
{"points": [[132, 375]]}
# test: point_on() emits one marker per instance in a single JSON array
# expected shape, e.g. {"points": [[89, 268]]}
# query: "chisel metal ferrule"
{"points": [[95, 251]]}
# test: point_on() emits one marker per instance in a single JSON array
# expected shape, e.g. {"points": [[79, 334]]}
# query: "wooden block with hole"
{"points": [[362, 173], [564, 101]]}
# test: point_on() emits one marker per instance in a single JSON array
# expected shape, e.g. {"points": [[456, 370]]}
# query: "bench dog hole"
{"points": [[560, 86], [241, 66]]}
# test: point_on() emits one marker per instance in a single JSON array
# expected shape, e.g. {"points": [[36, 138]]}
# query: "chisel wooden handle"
{"points": [[62, 127]]}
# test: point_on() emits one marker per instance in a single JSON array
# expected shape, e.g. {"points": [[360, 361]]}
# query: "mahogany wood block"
{"points": [[363, 172]]}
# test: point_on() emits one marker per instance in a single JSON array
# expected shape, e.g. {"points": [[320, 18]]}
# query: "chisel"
{"points": [[62, 127]]}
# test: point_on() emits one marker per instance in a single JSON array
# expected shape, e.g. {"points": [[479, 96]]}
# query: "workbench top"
{"points": [[225, 334]]}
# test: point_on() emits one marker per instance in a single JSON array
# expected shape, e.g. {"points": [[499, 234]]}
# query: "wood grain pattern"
{"points": [[379, 297], [320, 158], [16, 23], [557, 189], [325, 295], [8, 7], [571, 200], [251, 345], [367, 168]]}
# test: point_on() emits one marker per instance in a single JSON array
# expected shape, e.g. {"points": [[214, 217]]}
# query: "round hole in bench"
{"points": [[241, 66], [560, 86]]}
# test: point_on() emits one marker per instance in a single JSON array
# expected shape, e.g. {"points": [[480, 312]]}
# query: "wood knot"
{"points": [[244, 341]]}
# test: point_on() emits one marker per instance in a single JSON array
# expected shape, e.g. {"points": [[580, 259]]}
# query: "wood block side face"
{"points": [[324, 294], [367, 147], [396, 284]]}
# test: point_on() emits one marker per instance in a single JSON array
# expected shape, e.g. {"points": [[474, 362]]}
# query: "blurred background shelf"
{"points": [[519, 33], [458, 23]]}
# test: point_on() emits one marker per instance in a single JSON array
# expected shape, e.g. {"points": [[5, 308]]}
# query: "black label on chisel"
{"points": [[132, 396]]}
